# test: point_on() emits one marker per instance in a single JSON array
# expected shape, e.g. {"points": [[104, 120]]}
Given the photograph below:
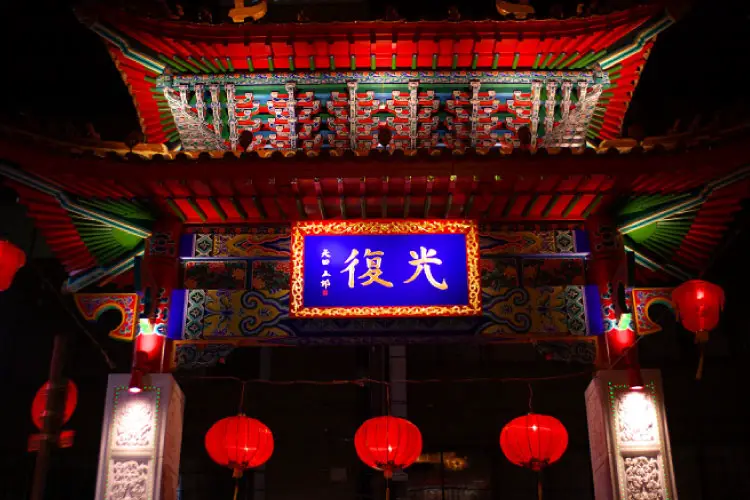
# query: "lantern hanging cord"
{"points": [[531, 398], [361, 382]]}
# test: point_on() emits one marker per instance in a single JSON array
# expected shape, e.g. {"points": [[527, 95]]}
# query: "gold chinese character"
{"points": [[423, 261], [373, 269], [352, 260], [325, 284], [326, 274], [325, 254]]}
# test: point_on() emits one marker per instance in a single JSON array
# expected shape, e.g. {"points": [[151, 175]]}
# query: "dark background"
{"points": [[55, 70]]}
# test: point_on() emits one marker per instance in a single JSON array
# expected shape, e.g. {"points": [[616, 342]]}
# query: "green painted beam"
{"points": [[352, 63], [238, 207], [495, 60], [571, 205], [454, 62], [312, 63], [210, 66], [474, 61], [546, 60], [569, 60], [393, 62], [448, 206], [434, 61], [373, 62], [198, 64], [250, 65], [530, 205], [218, 64], [260, 208], [291, 63], [342, 206], [176, 210], [189, 66], [515, 60], [271, 67], [509, 205], [230, 66], [219, 211], [536, 61], [198, 210], [557, 60], [413, 61], [550, 205], [332, 63]]}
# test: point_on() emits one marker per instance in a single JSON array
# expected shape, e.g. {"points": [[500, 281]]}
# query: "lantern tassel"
{"points": [[699, 372], [539, 486]]}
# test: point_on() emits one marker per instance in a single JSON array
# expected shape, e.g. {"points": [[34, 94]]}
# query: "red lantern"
{"points": [[39, 405], [698, 305], [12, 259], [388, 443], [239, 443], [534, 441]]}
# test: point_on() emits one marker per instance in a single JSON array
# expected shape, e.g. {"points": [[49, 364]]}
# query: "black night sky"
{"points": [[55, 71]]}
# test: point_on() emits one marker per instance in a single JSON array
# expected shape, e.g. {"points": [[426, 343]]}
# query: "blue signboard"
{"points": [[376, 268]]}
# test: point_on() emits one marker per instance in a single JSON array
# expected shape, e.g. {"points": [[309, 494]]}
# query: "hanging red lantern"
{"points": [[39, 405], [12, 259], [698, 305], [239, 443], [534, 441], [388, 443]]}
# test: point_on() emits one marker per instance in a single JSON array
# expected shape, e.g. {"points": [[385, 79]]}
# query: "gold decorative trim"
{"points": [[301, 229]]}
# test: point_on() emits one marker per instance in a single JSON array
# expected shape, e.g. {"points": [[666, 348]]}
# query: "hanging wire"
{"points": [[242, 398], [531, 398]]}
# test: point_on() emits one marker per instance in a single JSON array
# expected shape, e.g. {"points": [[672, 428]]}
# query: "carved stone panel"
{"points": [[128, 479], [636, 418], [643, 479], [135, 421]]}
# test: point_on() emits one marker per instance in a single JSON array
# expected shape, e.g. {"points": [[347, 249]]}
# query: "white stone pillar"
{"points": [[141, 440], [629, 439]]}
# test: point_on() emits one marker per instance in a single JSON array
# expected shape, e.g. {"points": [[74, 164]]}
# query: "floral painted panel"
{"points": [[215, 274]]}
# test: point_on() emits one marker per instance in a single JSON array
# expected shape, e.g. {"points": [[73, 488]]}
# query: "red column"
{"points": [[607, 269], [159, 277]]}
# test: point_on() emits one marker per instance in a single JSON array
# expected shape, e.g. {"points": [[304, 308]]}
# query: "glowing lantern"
{"points": [[39, 405], [239, 443], [388, 443], [534, 441], [12, 259], [698, 305]]}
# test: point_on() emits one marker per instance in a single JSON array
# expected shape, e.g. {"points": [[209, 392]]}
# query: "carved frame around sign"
{"points": [[301, 229]]}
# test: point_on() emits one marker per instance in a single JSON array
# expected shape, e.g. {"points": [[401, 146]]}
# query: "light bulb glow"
{"points": [[134, 390]]}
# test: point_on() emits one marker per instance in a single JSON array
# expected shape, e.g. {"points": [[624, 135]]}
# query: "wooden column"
{"points": [[159, 277]]}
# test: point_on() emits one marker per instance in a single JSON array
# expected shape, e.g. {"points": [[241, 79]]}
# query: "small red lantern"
{"points": [[239, 443], [534, 441], [698, 305], [12, 259], [388, 443], [39, 405]]}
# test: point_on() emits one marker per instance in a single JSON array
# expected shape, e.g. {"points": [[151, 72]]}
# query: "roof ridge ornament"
{"points": [[257, 10]]}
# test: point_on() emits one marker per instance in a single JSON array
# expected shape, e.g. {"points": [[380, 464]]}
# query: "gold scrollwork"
{"points": [[301, 229]]}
